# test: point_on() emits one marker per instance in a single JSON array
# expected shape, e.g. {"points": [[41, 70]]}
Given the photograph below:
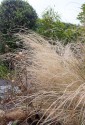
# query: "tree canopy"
{"points": [[51, 26], [81, 15], [16, 13]]}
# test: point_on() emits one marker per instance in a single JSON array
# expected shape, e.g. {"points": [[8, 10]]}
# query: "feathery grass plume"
{"points": [[57, 82]]}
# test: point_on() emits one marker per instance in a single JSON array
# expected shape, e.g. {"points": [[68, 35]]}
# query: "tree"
{"points": [[81, 15], [46, 25], [51, 27], [51, 15], [16, 13]]}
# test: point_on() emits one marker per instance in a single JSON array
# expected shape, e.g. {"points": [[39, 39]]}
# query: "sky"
{"points": [[67, 9]]}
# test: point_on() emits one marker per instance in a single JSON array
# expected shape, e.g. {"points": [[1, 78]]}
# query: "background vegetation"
{"points": [[14, 14], [52, 27]]}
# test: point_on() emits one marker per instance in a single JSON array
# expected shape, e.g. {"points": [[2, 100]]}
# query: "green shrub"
{"points": [[3, 71], [81, 15], [52, 27], [8, 43], [16, 13]]}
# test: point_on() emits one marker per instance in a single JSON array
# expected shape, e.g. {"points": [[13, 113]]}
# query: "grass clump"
{"points": [[3, 71]]}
